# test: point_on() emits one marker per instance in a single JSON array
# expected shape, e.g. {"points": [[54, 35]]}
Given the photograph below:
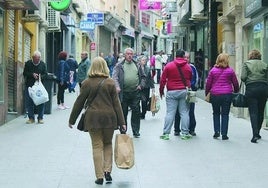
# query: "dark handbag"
{"points": [[239, 99], [81, 123]]}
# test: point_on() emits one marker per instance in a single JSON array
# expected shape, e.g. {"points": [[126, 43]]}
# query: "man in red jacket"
{"points": [[176, 82]]}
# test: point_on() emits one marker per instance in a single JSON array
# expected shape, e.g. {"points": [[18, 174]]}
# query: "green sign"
{"points": [[60, 5]]}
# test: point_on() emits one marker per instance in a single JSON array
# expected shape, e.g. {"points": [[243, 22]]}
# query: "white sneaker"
{"points": [[60, 107], [66, 107]]}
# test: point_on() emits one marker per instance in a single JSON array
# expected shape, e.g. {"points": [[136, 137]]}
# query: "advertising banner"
{"points": [[149, 5]]}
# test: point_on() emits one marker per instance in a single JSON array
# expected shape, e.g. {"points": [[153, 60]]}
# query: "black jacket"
{"points": [[31, 68]]}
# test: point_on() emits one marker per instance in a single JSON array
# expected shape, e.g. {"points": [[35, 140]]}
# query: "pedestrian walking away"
{"points": [[63, 79], [32, 69], [102, 117], [255, 75], [192, 120], [73, 65], [221, 83], [159, 61], [176, 94], [130, 80]]}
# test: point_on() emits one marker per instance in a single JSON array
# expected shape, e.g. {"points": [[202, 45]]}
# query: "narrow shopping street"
{"points": [[53, 156]]}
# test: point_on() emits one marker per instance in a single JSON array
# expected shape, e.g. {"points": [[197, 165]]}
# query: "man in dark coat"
{"points": [[32, 70]]}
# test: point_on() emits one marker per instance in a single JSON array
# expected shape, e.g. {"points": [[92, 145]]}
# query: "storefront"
{"points": [[255, 32], [128, 38], [2, 65], [14, 49]]}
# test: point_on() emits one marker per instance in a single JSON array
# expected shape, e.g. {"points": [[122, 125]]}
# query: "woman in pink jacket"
{"points": [[221, 83]]}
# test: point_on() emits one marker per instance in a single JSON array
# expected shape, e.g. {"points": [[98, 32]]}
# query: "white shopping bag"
{"points": [[38, 92]]}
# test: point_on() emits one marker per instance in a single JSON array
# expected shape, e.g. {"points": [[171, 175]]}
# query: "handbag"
{"points": [[81, 123], [38, 92], [239, 99], [124, 151], [155, 103], [207, 98], [190, 95]]}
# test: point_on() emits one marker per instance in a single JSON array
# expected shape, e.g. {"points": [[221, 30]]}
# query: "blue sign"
{"points": [[97, 18], [87, 25]]}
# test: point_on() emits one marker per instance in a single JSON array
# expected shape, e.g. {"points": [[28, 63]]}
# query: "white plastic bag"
{"points": [[38, 92]]}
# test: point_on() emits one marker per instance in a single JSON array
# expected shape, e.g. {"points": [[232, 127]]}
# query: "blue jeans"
{"points": [[31, 106], [221, 108], [175, 99]]}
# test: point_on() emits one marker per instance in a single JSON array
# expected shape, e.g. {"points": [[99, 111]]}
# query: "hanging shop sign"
{"points": [[60, 5], [97, 18]]}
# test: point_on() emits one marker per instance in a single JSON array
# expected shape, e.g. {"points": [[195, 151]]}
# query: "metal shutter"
{"points": [[27, 46], [11, 70]]}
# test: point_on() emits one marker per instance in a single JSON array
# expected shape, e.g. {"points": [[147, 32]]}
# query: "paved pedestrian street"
{"points": [[53, 156]]}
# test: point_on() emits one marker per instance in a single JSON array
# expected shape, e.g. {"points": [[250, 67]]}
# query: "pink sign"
{"points": [[169, 27], [149, 5]]}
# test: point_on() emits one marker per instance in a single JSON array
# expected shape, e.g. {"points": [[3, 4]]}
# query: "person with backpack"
{"points": [[110, 60], [194, 86], [73, 66]]}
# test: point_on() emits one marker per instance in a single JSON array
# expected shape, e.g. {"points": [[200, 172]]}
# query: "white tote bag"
{"points": [[38, 92]]}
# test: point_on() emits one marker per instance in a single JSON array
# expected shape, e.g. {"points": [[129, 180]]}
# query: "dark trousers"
{"points": [[192, 121], [132, 100], [145, 94], [60, 94], [158, 71], [31, 107], [221, 105], [257, 94]]}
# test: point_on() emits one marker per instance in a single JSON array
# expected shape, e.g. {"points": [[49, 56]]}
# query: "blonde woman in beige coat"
{"points": [[103, 116]]}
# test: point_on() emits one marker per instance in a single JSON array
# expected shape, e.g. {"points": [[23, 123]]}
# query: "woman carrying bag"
{"points": [[221, 83], [102, 117], [255, 75]]}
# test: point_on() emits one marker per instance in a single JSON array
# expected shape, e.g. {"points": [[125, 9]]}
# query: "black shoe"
{"points": [[136, 135], [99, 181], [216, 135], [225, 137], [258, 136], [176, 133], [254, 139], [192, 133], [108, 176]]}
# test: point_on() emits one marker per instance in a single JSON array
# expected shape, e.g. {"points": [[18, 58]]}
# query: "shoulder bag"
{"points": [[81, 123], [190, 95]]}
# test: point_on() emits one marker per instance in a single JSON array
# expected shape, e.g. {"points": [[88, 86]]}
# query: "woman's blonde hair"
{"points": [[222, 60], [98, 67]]}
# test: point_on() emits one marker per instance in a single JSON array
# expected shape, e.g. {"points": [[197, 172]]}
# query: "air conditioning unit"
{"points": [[53, 19], [31, 15]]}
